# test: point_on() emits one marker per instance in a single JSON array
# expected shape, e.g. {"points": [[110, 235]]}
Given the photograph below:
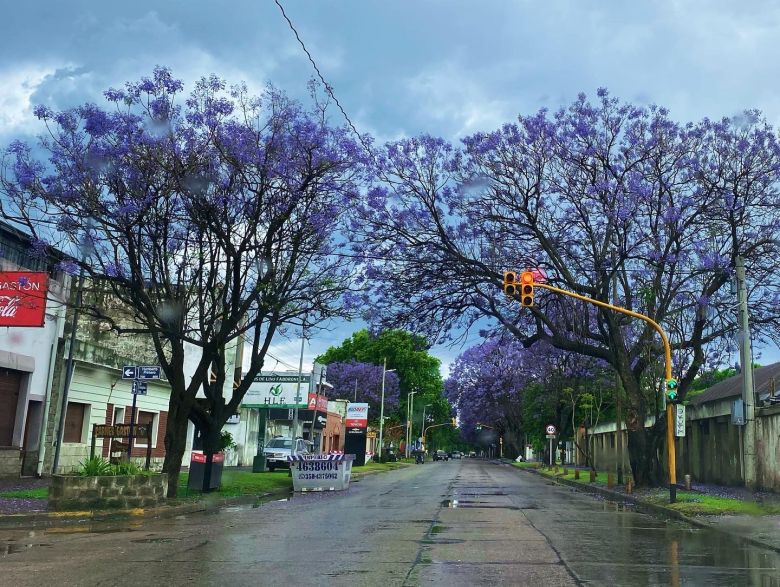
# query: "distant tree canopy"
{"points": [[417, 370]]}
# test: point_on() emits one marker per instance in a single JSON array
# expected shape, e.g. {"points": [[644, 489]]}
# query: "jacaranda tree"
{"points": [[362, 382], [209, 218], [610, 200], [519, 390]]}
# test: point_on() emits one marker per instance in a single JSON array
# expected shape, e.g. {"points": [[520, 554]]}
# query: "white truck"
{"points": [[278, 449]]}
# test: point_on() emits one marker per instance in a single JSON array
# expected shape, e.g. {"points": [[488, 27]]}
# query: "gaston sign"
{"points": [[23, 298]]}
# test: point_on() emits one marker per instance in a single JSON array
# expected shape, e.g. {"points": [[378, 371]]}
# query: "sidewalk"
{"points": [[760, 525], [240, 486]]}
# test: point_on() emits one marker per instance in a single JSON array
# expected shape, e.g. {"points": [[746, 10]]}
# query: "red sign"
{"points": [[357, 416], [23, 298], [199, 457], [318, 402]]}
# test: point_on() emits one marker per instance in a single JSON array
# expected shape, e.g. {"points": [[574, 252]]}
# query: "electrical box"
{"points": [[738, 412]]}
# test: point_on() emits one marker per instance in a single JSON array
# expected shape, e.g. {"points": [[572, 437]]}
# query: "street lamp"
{"points": [[422, 429], [409, 406], [385, 370]]}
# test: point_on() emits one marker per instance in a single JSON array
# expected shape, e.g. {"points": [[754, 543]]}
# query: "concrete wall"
{"points": [[711, 450], [768, 447], [10, 462]]}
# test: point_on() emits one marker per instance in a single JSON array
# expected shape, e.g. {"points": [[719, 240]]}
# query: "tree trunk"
{"points": [[211, 438], [175, 443], [643, 445]]}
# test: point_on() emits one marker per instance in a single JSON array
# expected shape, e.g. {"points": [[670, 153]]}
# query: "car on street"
{"points": [[472, 455], [441, 455], [279, 448], [456, 454]]}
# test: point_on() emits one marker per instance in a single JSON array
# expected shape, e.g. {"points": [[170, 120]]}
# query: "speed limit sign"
{"points": [[551, 430]]}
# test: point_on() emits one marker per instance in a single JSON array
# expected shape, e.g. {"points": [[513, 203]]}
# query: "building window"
{"points": [[151, 418], [119, 416], [75, 418]]}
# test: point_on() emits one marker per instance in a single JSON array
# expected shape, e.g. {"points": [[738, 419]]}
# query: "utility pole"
{"points": [[748, 397], [298, 392], [68, 373], [382, 409], [618, 390]]}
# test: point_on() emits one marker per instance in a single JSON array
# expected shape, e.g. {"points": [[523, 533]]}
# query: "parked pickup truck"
{"points": [[278, 449]]}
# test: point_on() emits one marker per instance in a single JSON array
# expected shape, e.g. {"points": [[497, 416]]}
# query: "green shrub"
{"points": [[226, 440], [95, 466], [127, 468]]}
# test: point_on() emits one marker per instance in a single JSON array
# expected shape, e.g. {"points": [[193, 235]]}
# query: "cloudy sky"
{"points": [[402, 67]]}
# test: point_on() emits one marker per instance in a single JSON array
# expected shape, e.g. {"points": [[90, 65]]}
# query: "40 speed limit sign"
{"points": [[551, 430]]}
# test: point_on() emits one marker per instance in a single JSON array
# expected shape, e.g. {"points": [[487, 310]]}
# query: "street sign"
{"points": [[148, 372], [551, 430], [139, 387], [679, 420], [128, 372], [551, 436]]}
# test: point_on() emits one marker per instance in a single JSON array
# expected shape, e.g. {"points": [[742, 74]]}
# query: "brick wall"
{"points": [[109, 416], [158, 447]]}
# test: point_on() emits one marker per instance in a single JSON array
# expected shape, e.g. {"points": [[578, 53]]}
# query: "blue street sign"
{"points": [[139, 387], [148, 372], [128, 372]]}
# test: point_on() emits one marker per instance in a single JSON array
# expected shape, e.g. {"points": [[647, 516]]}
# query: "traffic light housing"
{"points": [[672, 394], [454, 422], [527, 289], [511, 285]]}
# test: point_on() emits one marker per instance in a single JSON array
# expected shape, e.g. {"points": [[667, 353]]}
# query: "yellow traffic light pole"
{"points": [[668, 367]]}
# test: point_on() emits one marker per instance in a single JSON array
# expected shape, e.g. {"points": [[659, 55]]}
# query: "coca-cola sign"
{"points": [[23, 298]]}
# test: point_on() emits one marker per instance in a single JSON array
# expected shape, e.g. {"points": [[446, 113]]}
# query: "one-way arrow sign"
{"points": [[139, 388], [128, 372]]}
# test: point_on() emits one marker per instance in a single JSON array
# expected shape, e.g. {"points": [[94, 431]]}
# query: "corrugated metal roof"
{"points": [[765, 380]]}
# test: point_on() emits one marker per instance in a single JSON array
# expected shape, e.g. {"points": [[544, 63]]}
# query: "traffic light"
{"points": [[527, 289], [454, 422], [671, 391], [511, 287]]}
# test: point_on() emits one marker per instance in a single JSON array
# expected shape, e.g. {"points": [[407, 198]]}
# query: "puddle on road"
{"points": [[466, 503]]}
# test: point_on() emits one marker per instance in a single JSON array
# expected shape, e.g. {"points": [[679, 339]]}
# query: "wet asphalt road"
{"points": [[467, 522]]}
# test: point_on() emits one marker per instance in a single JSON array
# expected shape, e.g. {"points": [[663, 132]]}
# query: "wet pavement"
{"points": [[467, 522]]}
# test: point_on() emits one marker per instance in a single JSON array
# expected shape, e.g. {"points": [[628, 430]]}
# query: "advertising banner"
{"points": [[274, 390], [318, 402], [23, 298], [357, 416]]}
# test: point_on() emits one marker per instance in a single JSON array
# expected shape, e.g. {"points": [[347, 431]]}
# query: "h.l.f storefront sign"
{"points": [[23, 298], [277, 391]]}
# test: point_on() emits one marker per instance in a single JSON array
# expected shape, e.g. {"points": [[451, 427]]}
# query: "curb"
{"points": [[8, 521], [650, 508]]}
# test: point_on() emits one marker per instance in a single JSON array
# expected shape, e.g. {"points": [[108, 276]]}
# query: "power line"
{"points": [[328, 87]]}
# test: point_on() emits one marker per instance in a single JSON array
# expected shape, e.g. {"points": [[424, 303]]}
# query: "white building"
{"points": [[27, 357]]}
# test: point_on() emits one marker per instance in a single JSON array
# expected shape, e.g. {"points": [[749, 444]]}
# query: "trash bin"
{"points": [[198, 469], [321, 472]]}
